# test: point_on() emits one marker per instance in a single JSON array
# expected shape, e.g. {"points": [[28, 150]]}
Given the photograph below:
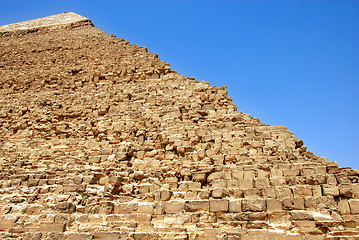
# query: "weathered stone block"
{"points": [[215, 176], [274, 205], [343, 206], [291, 172], [235, 206], [145, 208], [218, 205], [254, 205], [197, 205], [107, 236], [165, 195], [200, 177], [302, 191], [143, 217], [301, 215], [331, 191], [125, 208], [260, 183], [52, 227], [236, 174], [218, 193], [173, 207], [7, 222], [354, 206], [293, 203]]}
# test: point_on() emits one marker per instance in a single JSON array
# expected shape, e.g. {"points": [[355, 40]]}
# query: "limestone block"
{"points": [[257, 217], [317, 191], [246, 184], [65, 207], [219, 183], [125, 208], [7, 222], [67, 188], [343, 206], [218, 193], [158, 208], [254, 205], [262, 174], [354, 206], [249, 174], [345, 190], [107, 236], [331, 191], [79, 236], [52, 227], [173, 207], [217, 159], [283, 192], [276, 172], [197, 205], [235, 206], [331, 179], [280, 220], [215, 176], [277, 181], [106, 207], [302, 191], [260, 183], [293, 203], [218, 205], [188, 185], [291, 172], [308, 172], [145, 236], [194, 185], [236, 174], [301, 215], [201, 177], [204, 194], [274, 205], [233, 184], [165, 195], [143, 217]]}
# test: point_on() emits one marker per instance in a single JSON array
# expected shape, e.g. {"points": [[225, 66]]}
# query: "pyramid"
{"points": [[100, 139]]}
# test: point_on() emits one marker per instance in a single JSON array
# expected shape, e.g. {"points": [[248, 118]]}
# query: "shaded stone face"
{"points": [[100, 139]]}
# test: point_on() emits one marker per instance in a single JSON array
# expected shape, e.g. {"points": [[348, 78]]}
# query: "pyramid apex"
{"points": [[62, 19]]}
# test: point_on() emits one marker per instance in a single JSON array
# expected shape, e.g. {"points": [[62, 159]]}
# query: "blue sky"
{"points": [[293, 63]]}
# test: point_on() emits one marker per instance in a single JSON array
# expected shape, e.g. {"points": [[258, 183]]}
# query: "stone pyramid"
{"points": [[100, 139]]}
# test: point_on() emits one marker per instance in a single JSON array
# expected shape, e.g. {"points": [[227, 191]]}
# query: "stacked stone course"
{"points": [[100, 139]]}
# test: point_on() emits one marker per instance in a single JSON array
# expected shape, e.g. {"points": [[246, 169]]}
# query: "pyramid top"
{"points": [[67, 18]]}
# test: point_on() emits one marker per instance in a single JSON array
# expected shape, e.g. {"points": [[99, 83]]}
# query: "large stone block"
{"points": [[331, 191], [173, 207], [218, 205], [261, 183], [7, 222], [126, 208], [274, 205], [354, 206], [293, 203], [254, 205], [52, 227], [197, 205], [343, 207], [107, 236], [235, 206]]}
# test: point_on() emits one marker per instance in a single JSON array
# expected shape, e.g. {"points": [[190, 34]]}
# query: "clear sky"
{"points": [[293, 63]]}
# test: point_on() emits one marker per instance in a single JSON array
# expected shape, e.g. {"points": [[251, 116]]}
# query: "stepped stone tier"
{"points": [[100, 139]]}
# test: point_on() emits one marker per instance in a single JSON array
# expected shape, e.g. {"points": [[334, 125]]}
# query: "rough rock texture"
{"points": [[102, 140]]}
